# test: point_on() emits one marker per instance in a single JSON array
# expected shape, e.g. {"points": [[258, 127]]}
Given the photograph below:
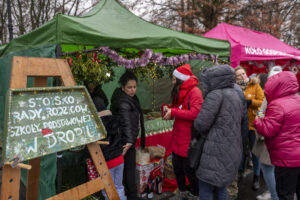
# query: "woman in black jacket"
{"points": [[126, 104]]}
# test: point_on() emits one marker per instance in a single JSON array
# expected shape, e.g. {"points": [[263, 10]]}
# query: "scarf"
{"points": [[185, 88], [243, 83]]}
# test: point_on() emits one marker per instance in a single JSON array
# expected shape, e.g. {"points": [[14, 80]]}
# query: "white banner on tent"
{"points": [[267, 52]]}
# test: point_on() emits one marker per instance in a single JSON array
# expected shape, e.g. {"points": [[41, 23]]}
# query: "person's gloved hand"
{"points": [[249, 102]]}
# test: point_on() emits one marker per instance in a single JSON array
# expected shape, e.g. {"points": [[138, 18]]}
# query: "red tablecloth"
{"points": [[162, 139]]}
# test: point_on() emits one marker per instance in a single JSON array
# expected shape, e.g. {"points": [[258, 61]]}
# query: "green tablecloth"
{"points": [[157, 125]]}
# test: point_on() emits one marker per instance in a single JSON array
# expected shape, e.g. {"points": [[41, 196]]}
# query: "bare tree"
{"points": [[31, 14], [277, 17], [3, 22]]}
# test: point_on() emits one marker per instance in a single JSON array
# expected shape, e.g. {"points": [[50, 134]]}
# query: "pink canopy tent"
{"points": [[249, 45]]}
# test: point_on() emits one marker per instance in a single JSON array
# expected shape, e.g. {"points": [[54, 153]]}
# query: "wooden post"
{"points": [[40, 69], [33, 175], [10, 182], [102, 169]]}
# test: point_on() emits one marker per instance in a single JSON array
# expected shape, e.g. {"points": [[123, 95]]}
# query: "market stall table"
{"points": [[158, 132]]}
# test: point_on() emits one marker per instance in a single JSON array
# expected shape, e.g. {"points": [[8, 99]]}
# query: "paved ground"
{"points": [[245, 191], [245, 187]]}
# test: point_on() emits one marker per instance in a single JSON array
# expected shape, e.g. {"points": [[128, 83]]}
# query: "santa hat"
{"points": [[183, 72]]}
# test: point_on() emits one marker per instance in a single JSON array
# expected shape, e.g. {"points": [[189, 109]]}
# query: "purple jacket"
{"points": [[281, 124]]}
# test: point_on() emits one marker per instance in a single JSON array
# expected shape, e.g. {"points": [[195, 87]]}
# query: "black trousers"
{"points": [[129, 174], [287, 182], [181, 169]]}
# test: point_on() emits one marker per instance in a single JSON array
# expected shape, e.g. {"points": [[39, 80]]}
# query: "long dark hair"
{"points": [[263, 77], [175, 90]]}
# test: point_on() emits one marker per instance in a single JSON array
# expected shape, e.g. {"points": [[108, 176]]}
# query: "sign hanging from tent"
{"points": [[40, 121], [266, 52]]}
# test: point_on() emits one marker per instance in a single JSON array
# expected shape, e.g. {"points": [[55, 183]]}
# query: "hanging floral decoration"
{"points": [[291, 65], [294, 69], [156, 58], [90, 67], [96, 65]]}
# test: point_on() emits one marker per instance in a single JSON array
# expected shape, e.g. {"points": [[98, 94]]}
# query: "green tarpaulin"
{"points": [[107, 24], [110, 24]]}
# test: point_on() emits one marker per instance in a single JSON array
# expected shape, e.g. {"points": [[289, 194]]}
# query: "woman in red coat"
{"points": [[186, 104], [281, 129]]}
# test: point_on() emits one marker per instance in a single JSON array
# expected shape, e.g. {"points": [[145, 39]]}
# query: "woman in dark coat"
{"points": [[126, 104], [220, 118]]}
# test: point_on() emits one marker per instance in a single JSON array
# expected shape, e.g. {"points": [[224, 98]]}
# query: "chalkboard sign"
{"points": [[41, 121]]}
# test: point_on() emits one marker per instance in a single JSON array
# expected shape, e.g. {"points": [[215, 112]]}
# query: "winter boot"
{"points": [[255, 185], [182, 195], [264, 196], [190, 196]]}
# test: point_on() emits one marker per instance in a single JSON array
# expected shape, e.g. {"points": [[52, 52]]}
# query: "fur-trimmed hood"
{"points": [[254, 80]]}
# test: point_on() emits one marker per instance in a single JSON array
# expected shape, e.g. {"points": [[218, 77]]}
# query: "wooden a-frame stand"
{"points": [[41, 69]]}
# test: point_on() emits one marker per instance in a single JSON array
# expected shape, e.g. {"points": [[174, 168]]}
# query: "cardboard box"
{"points": [[142, 176]]}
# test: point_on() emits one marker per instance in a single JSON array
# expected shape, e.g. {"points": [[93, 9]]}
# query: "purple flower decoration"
{"points": [[185, 58], [169, 61], [157, 57], [181, 59], [175, 60], [148, 54], [192, 56], [162, 62], [200, 56], [142, 62]]}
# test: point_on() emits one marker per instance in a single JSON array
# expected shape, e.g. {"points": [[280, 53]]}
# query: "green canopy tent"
{"points": [[110, 24], [2, 47], [107, 24]]}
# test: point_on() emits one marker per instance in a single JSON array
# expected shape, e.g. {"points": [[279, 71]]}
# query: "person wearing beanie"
{"points": [[281, 128], [220, 120], [186, 104], [275, 70], [254, 96], [260, 148]]}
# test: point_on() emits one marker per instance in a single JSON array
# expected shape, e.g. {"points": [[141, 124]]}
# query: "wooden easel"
{"points": [[40, 69]]}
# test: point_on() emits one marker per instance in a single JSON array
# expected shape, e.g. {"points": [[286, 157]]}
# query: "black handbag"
{"points": [[195, 149], [196, 146]]}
